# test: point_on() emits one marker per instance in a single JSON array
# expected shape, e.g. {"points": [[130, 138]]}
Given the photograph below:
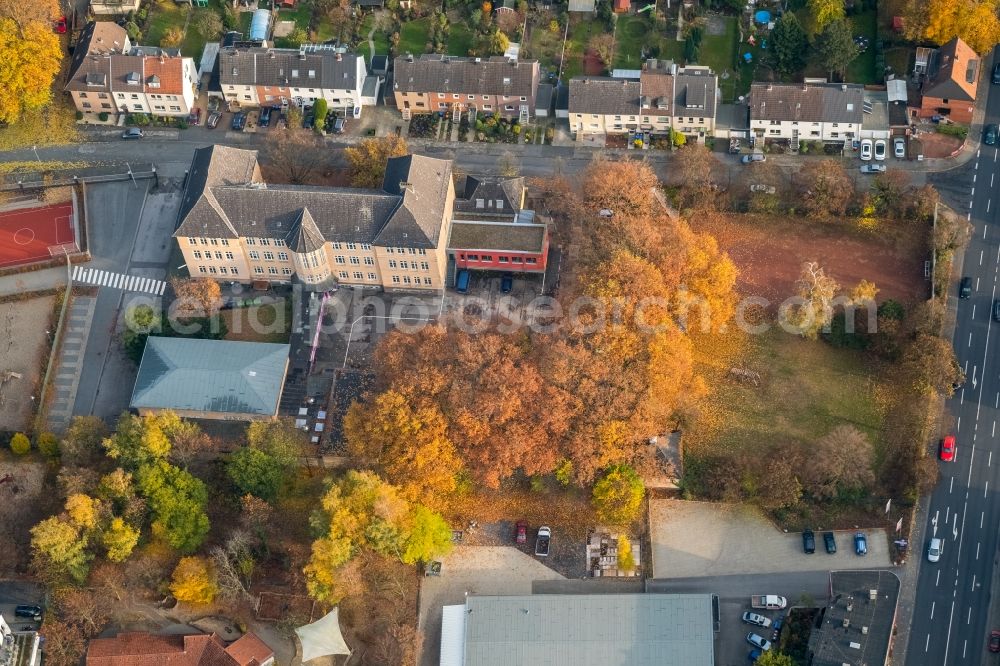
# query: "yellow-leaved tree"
{"points": [[29, 60], [194, 581]]}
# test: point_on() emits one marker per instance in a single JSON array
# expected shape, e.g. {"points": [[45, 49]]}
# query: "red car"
{"points": [[60, 26], [948, 448], [995, 641], [522, 531]]}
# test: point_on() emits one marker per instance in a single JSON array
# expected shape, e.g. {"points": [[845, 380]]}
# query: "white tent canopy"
{"points": [[322, 637]]}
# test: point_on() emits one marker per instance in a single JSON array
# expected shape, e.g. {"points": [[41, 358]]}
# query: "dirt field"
{"points": [[22, 505], [769, 253], [23, 326]]}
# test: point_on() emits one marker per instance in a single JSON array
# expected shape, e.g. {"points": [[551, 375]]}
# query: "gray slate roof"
{"points": [[604, 96], [590, 630], [446, 74], [287, 68], [211, 376], [830, 643], [489, 189], [812, 102], [499, 236], [90, 69], [225, 198], [694, 93]]}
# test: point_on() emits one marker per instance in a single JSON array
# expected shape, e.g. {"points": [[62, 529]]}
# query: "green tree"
{"points": [[835, 47], [618, 495], [255, 472], [427, 535], [320, 109], [824, 12], [789, 45], [81, 444], [48, 444], [774, 658], [678, 139], [20, 444], [177, 500], [194, 581], [59, 550], [138, 440], [140, 321], [119, 539]]}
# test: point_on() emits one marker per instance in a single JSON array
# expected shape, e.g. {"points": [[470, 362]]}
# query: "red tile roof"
{"points": [[249, 650], [143, 649], [168, 71]]}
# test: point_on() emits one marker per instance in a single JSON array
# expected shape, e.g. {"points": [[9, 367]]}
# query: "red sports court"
{"points": [[28, 235]]}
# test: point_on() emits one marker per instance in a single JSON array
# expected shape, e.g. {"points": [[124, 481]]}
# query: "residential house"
{"points": [[793, 112], [950, 82], [582, 5], [141, 648], [109, 75], [224, 380], [258, 76], [656, 99], [112, 7], [488, 198], [19, 647], [234, 226], [433, 82]]}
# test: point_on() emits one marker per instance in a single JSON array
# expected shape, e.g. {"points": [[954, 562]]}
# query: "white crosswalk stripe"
{"points": [[120, 281]]}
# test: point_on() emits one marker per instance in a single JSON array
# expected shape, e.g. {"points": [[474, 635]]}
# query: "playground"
{"points": [[29, 235]]}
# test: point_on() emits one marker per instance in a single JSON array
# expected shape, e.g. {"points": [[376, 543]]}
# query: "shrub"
{"points": [[194, 580], [320, 109], [103, 116], [79, 115], [20, 444], [48, 444], [182, 124], [617, 496]]}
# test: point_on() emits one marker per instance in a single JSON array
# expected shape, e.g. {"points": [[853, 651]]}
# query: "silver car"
{"points": [[756, 619]]}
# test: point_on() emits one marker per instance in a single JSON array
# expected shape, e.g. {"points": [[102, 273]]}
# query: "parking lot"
{"points": [[14, 593], [482, 570], [706, 539]]}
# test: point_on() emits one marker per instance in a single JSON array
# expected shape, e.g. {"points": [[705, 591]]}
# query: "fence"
{"points": [[24, 180]]}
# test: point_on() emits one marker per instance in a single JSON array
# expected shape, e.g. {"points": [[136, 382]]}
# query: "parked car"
{"points": [[606, 213], [754, 655], [462, 281], [265, 117], [542, 541], [860, 544], [308, 121], [899, 147], [521, 534], [758, 641], [756, 619], [880, 149], [948, 447], [28, 611], [996, 73], [239, 121], [995, 641], [133, 133], [761, 187], [808, 541], [872, 168], [866, 149], [965, 288], [830, 542], [338, 125], [60, 26], [753, 157], [990, 133], [996, 309], [506, 283], [934, 549], [213, 120], [768, 601]]}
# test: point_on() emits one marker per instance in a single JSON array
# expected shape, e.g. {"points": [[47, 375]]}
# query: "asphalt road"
{"points": [[950, 615]]}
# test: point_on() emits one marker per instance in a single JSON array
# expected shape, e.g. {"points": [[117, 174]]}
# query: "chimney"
{"points": [[769, 87], [339, 57], [843, 87]]}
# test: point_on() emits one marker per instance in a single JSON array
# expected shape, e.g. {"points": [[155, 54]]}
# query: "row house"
{"points": [[489, 198], [234, 226], [260, 76], [433, 83], [113, 7], [662, 98], [110, 75], [793, 112]]}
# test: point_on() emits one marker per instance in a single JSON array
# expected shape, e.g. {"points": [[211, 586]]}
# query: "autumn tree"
{"points": [[815, 310], [234, 565], [824, 12], [194, 581], [119, 539], [24, 14], [138, 440], [604, 46], [195, 297], [267, 462], [30, 56], [20, 444], [923, 201], [626, 558], [697, 189], [774, 658], [835, 48], [617, 496], [408, 443], [825, 189], [298, 155], [65, 643], [928, 365], [839, 461], [48, 444], [890, 189], [59, 550], [367, 160], [89, 609], [172, 38], [81, 445], [208, 23], [625, 188], [83, 511], [708, 283], [939, 21]]}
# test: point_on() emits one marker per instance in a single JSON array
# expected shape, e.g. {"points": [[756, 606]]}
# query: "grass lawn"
{"points": [[807, 387], [544, 45], [459, 39], [164, 14], [260, 323], [413, 36], [719, 53], [899, 59], [581, 29], [862, 69], [245, 19], [300, 14]]}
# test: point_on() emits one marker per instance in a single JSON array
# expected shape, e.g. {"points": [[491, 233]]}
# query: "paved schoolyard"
{"points": [[692, 539], [481, 570]]}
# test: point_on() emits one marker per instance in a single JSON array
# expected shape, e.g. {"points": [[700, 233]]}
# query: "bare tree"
{"points": [[816, 289], [841, 460], [297, 154], [234, 565]]}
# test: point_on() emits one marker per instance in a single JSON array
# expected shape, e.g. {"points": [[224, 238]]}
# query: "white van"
{"points": [[934, 550]]}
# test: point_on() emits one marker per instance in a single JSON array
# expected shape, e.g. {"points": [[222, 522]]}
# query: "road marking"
{"points": [[970, 338], [965, 644], [981, 257], [977, 550], [968, 484], [947, 511], [961, 397], [932, 609], [993, 434], [938, 580], [974, 175], [947, 641], [973, 588], [987, 210], [974, 305], [986, 488], [973, 194], [968, 620], [927, 643], [950, 487], [982, 517], [977, 284], [958, 423]]}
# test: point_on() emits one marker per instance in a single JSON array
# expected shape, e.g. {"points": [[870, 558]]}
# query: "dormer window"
{"points": [[506, 80], [295, 73], [154, 81], [312, 73], [132, 78]]}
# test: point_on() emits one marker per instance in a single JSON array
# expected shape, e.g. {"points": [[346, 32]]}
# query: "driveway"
{"points": [[481, 570], [707, 539]]}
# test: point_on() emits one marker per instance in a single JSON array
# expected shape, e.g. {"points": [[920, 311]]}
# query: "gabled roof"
{"points": [[291, 68], [424, 184], [142, 649], [953, 72], [604, 96], [304, 236], [807, 102], [244, 378], [489, 189], [433, 72], [90, 69], [694, 92], [214, 166]]}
